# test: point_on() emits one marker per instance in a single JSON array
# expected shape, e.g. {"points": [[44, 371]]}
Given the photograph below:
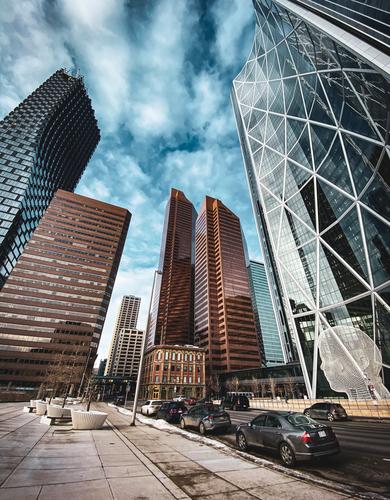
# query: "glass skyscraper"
{"points": [[45, 144], [224, 319], [266, 324], [312, 107], [171, 319]]}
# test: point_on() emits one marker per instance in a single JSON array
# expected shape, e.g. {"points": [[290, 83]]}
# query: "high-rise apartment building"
{"points": [[127, 319], [127, 357], [171, 319], [312, 105], [54, 303], [270, 338], [45, 144], [224, 321]]}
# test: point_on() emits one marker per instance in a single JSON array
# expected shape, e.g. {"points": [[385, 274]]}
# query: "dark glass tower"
{"points": [[173, 308], [224, 319], [312, 105], [45, 144]]}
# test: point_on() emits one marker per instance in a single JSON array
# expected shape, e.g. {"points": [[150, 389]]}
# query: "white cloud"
{"points": [[150, 97], [234, 20]]}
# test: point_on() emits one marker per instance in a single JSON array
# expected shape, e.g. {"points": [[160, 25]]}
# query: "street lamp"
{"points": [[132, 422]]}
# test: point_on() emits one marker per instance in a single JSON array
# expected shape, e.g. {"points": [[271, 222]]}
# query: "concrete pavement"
{"points": [[123, 462]]}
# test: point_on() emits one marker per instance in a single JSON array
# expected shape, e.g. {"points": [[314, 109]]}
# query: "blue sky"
{"points": [[159, 75]]}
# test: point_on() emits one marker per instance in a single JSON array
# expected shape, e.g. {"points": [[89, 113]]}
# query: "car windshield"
{"points": [[298, 419], [213, 409], [156, 403]]}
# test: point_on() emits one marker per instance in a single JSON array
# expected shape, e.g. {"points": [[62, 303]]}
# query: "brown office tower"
{"points": [[224, 321], [53, 305], [172, 313]]}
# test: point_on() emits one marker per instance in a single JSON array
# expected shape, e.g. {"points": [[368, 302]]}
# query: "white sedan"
{"points": [[151, 407]]}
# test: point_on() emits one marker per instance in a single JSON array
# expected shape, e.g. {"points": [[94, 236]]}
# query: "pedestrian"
{"points": [[286, 397]]}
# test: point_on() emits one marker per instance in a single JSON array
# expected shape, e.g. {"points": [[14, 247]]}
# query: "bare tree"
{"points": [[213, 384], [290, 384], [255, 386], [272, 386], [264, 387], [233, 384]]}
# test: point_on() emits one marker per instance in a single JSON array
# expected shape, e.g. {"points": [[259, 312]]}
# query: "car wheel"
{"points": [[182, 424], [242, 442], [202, 429], [287, 455], [330, 417]]}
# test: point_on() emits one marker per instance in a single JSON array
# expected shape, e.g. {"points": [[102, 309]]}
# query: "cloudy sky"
{"points": [[159, 75]]}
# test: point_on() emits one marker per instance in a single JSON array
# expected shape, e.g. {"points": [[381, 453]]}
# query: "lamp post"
{"points": [[132, 422]]}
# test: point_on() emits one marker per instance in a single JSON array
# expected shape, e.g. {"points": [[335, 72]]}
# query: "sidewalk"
{"points": [[123, 462]]}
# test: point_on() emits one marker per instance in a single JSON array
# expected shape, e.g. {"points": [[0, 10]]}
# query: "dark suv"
{"points": [[330, 411], [171, 411], [235, 402]]}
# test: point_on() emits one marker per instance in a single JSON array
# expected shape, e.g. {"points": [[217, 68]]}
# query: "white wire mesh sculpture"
{"points": [[351, 362]]}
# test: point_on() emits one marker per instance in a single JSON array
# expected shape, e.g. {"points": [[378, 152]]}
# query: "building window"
{"points": [[185, 379], [164, 379], [166, 355], [165, 368], [159, 355], [179, 356], [173, 356], [185, 357], [190, 379], [157, 378], [198, 380], [185, 368], [190, 357]]}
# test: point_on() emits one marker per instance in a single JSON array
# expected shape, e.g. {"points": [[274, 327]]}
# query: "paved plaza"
{"points": [[122, 462]]}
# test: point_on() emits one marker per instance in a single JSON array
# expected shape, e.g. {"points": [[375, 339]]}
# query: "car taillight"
{"points": [[306, 438], [173, 410], [211, 417]]}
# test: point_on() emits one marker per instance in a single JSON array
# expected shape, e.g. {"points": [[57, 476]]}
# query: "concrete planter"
{"points": [[58, 411], [41, 407], [88, 420]]}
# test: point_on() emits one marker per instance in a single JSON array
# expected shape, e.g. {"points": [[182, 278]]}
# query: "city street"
{"points": [[364, 461]]}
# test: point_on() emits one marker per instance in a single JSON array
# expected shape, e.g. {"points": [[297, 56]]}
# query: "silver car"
{"points": [[205, 418], [294, 435]]}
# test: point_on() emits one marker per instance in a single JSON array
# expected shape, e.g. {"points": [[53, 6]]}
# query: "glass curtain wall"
{"points": [[313, 120]]}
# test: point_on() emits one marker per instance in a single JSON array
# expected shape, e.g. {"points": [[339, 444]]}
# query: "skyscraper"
{"points": [[270, 338], [312, 108], [55, 301], [172, 313], [127, 319], [224, 321], [125, 362], [45, 144]]}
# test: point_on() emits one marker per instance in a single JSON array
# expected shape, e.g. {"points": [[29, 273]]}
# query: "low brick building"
{"points": [[172, 370]]}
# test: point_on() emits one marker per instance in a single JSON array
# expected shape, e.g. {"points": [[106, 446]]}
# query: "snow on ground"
{"points": [[165, 426]]}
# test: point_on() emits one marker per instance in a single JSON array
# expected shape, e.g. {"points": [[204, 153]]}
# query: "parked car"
{"points": [[151, 407], [179, 398], [171, 411], [235, 402], [205, 417], [190, 401], [330, 411], [119, 400], [293, 435]]}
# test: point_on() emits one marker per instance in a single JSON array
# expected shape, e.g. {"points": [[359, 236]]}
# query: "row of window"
{"points": [[177, 356]]}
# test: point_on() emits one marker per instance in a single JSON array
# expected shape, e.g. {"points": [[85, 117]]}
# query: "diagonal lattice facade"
{"points": [[313, 117]]}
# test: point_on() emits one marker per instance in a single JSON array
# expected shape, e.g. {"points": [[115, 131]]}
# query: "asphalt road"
{"points": [[364, 461]]}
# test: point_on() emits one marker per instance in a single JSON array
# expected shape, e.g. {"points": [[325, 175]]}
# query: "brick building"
{"points": [[171, 370]]}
